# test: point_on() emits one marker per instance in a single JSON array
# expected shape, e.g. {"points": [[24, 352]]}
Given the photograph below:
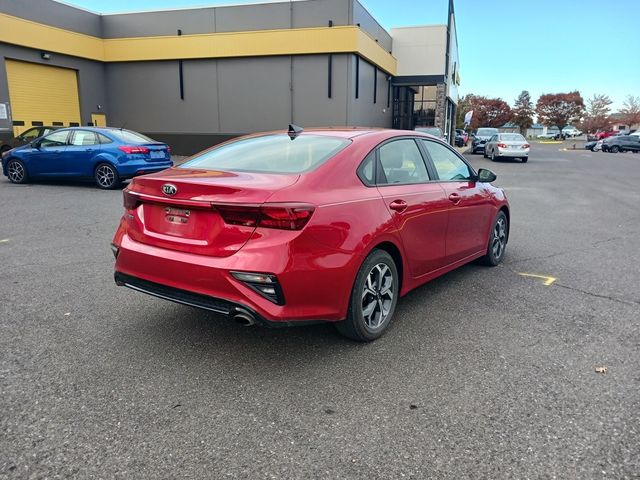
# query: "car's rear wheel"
{"points": [[497, 241], [373, 298], [493, 155], [525, 159], [614, 149], [16, 171], [106, 176]]}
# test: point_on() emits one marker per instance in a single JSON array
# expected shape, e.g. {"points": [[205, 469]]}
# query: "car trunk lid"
{"points": [[182, 209]]}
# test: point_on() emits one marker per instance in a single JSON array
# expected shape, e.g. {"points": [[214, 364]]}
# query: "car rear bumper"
{"points": [[204, 302], [512, 153], [310, 295], [140, 167]]}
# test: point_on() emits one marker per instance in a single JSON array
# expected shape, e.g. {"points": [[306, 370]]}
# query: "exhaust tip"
{"points": [[244, 319]]}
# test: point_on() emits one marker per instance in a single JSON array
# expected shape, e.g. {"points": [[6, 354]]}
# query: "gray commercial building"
{"points": [[194, 77]]}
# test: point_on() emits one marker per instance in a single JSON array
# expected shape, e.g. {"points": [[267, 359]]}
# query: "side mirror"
{"points": [[486, 176]]}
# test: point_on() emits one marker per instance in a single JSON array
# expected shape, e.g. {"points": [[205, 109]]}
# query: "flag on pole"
{"points": [[468, 116]]}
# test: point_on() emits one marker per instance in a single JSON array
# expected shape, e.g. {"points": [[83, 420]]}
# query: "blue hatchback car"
{"points": [[104, 155]]}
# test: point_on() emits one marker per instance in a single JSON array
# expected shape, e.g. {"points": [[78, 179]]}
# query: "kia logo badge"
{"points": [[169, 189]]}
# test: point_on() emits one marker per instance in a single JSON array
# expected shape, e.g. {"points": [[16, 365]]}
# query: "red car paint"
{"points": [[603, 135], [181, 242]]}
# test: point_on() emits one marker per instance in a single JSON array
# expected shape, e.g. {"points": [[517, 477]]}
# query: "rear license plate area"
{"points": [[157, 154]]}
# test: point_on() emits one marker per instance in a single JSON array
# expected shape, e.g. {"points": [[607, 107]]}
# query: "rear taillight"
{"points": [[129, 200], [526, 145], [133, 149], [501, 145], [282, 216]]}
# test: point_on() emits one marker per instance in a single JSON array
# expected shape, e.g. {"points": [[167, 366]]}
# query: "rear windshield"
{"points": [[270, 154], [486, 132], [512, 137], [435, 131], [127, 136]]}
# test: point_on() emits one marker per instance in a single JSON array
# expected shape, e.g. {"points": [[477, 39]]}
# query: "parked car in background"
{"points": [[594, 145], [607, 134], [435, 131], [507, 145], [549, 136], [571, 132], [304, 226], [462, 138], [481, 137], [25, 137], [621, 143], [104, 155]]}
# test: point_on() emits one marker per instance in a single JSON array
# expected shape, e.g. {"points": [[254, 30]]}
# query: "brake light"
{"points": [[133, 149], [526, 145], [282, 216], [239, 215], [501, 145], [129, 200]]}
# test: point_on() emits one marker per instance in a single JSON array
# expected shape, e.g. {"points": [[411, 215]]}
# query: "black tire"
{"points": [[17, 172], [499, 234], [106, 176], [493, 155], [357, 326], [484, 154], [525, 159], [614, 149]]}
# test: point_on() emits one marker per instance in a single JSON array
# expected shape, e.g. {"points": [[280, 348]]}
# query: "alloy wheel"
{"points": [[499, 239], [15, 172], [105, 176], [377, 296]]}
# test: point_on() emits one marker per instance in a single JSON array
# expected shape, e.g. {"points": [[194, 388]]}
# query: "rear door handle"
{"points": [[398, 205], [455, 198]]}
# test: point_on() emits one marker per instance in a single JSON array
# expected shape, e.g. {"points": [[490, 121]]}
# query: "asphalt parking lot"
{"points": [[486, 373]]}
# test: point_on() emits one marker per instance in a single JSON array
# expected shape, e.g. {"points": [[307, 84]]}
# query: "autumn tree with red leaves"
{"points": [[488, 112], [560, 109], [630, 112]]}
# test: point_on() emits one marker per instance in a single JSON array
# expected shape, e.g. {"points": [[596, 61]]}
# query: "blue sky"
{"points": [[506, 46]]}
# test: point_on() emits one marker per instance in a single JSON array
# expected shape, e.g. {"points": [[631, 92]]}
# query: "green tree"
{"points": [[523, 112], [631, 111], [597, 115]]}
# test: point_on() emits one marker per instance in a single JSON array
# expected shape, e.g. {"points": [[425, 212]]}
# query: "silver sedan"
{"points": [[507, 145]]}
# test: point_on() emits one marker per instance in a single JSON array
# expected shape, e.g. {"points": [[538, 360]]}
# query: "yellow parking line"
{"points": [[547, 280]]}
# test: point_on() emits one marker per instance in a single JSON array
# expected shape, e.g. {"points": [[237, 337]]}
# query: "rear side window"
{"points": [[82, 138], [402, 163], [270, 154], [127, 136], [104, 138]]}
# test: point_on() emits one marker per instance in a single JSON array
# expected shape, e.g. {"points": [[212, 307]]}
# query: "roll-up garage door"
{"points": [[42, 95]]}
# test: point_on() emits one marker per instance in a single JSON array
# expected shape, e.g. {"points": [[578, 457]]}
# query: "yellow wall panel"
{"points": [[42, 93], [293, 41]]}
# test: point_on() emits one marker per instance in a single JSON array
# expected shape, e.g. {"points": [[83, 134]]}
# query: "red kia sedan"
{"points": [[297, 227]]}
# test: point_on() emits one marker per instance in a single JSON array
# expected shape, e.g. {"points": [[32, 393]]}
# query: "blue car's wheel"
{"points": [[106, 176], [16, 171]]}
